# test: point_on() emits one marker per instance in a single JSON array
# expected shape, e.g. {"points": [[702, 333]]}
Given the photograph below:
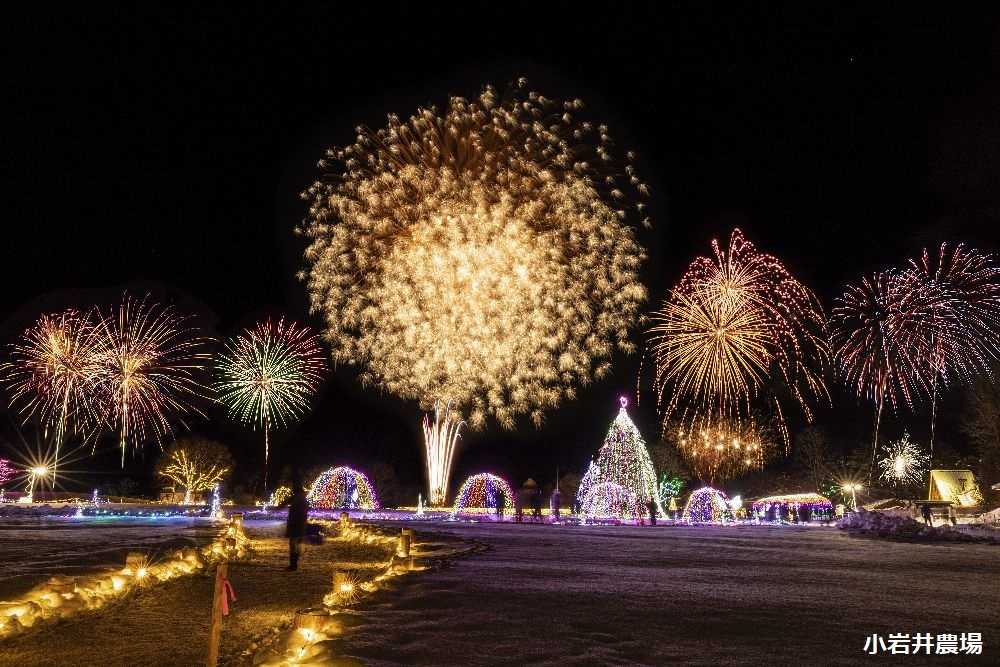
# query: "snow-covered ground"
{"points": [[755, 595], [33, 549], [534, 594]]}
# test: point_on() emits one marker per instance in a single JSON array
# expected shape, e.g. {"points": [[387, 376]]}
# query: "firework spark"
{"points": [[723, 451], [267, 374], [904, 462], [731, 321], [440, 438], [52, 371], [478, 256], [149, 365], [970, 280]]}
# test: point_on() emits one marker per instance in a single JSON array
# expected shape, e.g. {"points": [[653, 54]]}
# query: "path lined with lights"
{"points": [[168, 625], [547, 595]]}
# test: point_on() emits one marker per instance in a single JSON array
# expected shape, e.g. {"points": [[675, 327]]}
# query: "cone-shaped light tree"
{"points": [[623, 460]]}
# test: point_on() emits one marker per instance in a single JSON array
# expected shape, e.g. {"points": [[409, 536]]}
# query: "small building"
{"points": [[955, 486]]}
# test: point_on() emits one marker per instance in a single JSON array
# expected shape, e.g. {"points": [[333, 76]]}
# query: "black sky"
{"points": [[162, 149]]}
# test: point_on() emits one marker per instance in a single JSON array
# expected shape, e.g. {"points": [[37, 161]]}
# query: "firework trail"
{"points": [[964, 339], [148, 372], [440, 439], [478, 255], [266, 376], [736, 323]]}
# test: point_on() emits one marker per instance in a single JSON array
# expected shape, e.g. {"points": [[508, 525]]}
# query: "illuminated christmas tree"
{"points": [[623, 460]]}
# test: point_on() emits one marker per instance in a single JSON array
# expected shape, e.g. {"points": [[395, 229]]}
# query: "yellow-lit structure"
{"points": [[957, 486]]}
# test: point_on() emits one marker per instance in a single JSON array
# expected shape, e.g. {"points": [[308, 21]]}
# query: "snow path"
{"points": [[561, 595], [31, 550]]}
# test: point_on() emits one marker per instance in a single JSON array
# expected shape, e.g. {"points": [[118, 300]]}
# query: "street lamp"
{"points": [[853, 487], [33, 474]]}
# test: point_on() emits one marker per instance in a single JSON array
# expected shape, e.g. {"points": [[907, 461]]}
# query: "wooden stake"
{"points": [[403, 549], [215, 629]]}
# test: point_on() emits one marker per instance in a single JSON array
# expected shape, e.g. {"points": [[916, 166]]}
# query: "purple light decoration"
{"points": [[343, 488], [706, 505], [815, 503], [481, 492], [7, 471]]}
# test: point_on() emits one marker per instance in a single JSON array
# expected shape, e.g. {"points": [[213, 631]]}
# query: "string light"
{"points": [[216, 511], [196, 471], [706, 505], [7, 471], [624, 461], [279, 496], [343, 488], [816, 505], [607, 500], [484, 491], [670, 487]]}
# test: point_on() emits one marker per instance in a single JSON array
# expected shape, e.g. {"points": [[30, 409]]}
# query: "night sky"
{"points": [[163, 149]]}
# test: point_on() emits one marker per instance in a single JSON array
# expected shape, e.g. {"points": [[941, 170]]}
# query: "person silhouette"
{"points": [[295, 527]]}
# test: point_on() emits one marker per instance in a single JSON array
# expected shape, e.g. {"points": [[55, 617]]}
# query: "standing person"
{"points": [[651, 506], [536, 504], [298, 515], [925, 511]]}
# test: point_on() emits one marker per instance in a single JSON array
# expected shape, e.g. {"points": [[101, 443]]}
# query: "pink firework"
{"points": [[52, 372]]}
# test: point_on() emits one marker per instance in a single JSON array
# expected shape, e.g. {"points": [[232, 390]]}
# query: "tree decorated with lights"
{"points": [[196, 464], [623, 460]]}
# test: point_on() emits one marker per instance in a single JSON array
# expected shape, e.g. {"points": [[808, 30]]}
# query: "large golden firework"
{"points": [[480, 256], [737, 330]]}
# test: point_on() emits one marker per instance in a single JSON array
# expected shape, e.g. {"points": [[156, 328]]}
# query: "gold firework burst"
{"points": [[480, 256]]}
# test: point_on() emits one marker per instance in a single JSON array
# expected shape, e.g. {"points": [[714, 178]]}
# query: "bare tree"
{"points": [[812, 449], [981, 425]]}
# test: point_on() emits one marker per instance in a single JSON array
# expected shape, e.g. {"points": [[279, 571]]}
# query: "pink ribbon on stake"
{"points": [[228, 594]]}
